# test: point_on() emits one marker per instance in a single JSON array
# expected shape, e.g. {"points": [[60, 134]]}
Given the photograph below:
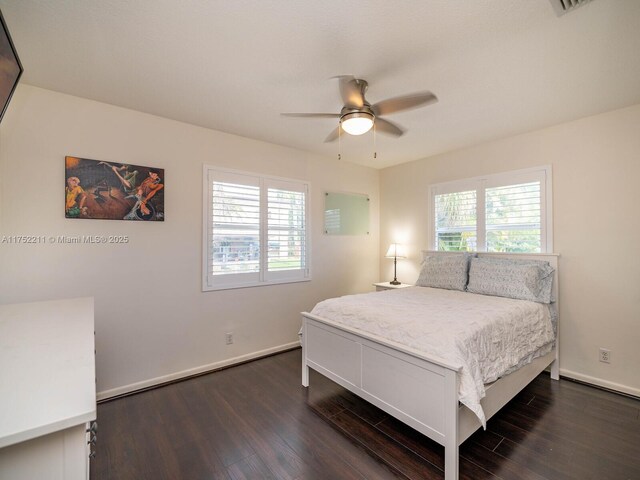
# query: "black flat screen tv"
{"points": [[10, 67]]}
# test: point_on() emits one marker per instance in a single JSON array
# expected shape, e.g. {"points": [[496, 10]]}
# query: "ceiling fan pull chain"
{"points": [[375, 152], [339, 143]]}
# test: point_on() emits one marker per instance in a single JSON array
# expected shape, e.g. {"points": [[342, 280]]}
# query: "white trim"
{"points": [[600, 382], [232, 286], [534, 255], [132, 387], [547, 211], [206, 194], [481, 216], [501, 176], [252, 174]]}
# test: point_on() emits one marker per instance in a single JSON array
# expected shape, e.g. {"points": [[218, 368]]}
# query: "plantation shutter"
{"points": [[286, 230], [456, 221], [513, 218], [235, 229]]}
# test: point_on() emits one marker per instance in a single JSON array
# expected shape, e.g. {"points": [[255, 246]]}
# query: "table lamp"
{"points": [[395, 251]]}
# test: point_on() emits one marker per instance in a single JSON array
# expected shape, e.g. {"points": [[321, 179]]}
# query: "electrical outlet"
{"points": [[605, 355], [228, 338]]}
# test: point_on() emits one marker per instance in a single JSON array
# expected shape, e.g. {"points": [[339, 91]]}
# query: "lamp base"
{"points": [[394, 282]]}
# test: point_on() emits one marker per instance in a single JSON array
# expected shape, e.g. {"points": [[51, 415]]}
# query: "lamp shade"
{"points": [[396, 250], [357, 123]]}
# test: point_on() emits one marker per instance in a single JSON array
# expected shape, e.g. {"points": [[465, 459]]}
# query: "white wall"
{"points": [[152, 319], [596, 189]]}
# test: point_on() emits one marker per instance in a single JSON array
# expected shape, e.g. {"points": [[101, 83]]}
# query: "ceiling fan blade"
{"points": [[333, 135], [406, 102], [351, 91], [385, 126], [312, 115]]}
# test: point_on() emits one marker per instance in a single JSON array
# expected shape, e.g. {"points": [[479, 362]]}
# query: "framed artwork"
{"points": [[10, 67], [113, 191]]}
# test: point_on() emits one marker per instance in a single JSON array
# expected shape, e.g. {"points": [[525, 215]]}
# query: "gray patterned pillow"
{"points": [[513, 278], [446, 271]]}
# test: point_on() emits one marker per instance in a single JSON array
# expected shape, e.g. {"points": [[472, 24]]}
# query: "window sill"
{"points": [[209, 288]]}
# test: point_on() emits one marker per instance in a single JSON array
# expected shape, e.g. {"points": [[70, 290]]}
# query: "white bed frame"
{"points": [[418, 389]]}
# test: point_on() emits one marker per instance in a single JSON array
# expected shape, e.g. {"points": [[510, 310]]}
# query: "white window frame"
{"points": [[480, 184], [263, 277]]}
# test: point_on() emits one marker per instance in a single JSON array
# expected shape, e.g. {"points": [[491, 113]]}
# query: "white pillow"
{"points": [[445, 271], [512, 278]]}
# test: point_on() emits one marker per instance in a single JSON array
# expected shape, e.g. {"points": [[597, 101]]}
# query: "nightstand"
{"points": [[387, 286]]}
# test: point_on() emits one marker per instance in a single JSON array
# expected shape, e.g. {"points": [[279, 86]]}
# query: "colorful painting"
{"points": [[113, 190]]}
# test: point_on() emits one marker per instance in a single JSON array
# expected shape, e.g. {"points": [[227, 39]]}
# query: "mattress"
{"points": [[487, 336]]}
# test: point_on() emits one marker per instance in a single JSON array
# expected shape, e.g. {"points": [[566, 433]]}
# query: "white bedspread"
{"points": [[487, 336]]}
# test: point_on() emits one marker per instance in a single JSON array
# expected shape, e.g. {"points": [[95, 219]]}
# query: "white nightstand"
{"points": [[387, 286]]}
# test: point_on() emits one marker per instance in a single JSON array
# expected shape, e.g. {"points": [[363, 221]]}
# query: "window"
{"points": [[456, 227], [255, 230], [508, 212]]}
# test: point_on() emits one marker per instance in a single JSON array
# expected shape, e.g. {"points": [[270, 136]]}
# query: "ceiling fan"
{"points": [[358, 116]]}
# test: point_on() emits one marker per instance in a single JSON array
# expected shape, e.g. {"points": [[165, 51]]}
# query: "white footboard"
{"points": [[421, 392]]}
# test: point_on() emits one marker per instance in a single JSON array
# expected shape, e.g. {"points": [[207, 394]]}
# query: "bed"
{"points": [[417, 386]]}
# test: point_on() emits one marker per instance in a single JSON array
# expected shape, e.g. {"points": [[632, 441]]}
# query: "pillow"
{"points": [[445, 271], [511, 278]]}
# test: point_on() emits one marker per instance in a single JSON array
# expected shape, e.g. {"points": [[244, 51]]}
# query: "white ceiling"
{"points": [[499, 67]]}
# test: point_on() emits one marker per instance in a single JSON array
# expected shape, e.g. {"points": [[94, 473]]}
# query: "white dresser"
{"points": [[47, 389]]}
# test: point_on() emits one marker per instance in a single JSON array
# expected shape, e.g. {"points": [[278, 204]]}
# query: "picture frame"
{"points": [[10, 67], [102, 190]]}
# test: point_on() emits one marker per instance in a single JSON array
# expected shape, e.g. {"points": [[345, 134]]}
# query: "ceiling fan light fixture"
{"points": [[357, 123]]}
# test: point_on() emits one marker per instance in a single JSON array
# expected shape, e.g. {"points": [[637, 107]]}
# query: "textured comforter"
{"points": [[487, 336]]}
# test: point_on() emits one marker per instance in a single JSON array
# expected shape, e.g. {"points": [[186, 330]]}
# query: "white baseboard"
{"points": [[600, 382], [114, 392]]}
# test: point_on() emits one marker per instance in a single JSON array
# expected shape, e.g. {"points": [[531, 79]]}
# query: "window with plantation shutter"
{"points": [[286, 231], [456, 225], [255, 230], [513, 218], [508, 212], [236, 228]]}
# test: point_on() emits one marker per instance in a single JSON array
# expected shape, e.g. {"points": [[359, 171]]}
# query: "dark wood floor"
{"points": [[256, 421]]}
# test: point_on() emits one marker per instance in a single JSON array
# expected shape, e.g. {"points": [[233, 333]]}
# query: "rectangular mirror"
{"points": [[346, 214]]}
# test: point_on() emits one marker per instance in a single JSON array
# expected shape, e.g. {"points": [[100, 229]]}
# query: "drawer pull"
{"points": [[93, 427]]}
